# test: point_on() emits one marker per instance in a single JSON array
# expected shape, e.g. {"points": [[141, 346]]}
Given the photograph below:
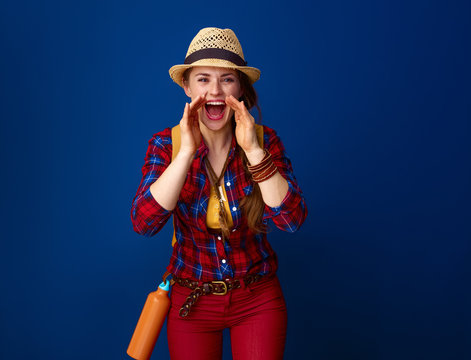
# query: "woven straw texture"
{"points": [[214, 38], [210, 38]]}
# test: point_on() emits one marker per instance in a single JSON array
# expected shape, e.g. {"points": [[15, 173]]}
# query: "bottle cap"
{"points": [[165, 285]]}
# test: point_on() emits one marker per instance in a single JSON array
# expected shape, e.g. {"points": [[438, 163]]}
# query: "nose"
{"points": [[215, 88]]}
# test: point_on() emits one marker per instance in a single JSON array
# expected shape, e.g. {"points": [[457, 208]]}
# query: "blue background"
{"points": [[372, 101]]}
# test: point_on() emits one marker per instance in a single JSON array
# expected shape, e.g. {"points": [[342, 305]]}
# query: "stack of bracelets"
{"points": [[264, 170]]}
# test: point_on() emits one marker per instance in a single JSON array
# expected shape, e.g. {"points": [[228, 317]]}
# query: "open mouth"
{"points": [[215, 109]]}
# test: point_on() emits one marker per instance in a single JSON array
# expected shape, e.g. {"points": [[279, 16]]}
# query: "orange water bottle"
{"points": [[150, 323]]}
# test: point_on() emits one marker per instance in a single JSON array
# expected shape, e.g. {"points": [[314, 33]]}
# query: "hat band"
{"points": [[213, 53]]}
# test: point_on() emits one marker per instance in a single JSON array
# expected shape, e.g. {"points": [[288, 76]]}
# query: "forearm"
{"points": [[273, 189], [166, 189]]}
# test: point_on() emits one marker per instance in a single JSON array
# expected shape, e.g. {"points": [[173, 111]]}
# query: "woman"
{"points": [[222, 183]]}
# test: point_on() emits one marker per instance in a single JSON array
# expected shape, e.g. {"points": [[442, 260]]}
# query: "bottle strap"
{"points": [[165, 276]]}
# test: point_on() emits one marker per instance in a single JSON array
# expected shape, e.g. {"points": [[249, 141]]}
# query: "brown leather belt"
{"points": [[211, 287]]}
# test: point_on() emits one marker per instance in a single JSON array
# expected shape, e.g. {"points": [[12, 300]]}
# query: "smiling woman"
{"points": [[222, 186]]}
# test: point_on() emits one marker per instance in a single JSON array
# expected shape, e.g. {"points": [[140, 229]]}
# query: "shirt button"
{"points": [[219, 238], [234, 209], [228, 183], [223, 261]]}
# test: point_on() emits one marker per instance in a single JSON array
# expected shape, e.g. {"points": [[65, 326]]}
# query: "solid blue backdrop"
{"points": [[372, 102]]}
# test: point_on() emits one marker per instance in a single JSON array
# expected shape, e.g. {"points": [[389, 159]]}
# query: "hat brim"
{"points": [[176, 71]]}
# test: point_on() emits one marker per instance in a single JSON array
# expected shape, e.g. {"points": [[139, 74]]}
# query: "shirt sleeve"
{"points": [[292, 211], [147, 215]]}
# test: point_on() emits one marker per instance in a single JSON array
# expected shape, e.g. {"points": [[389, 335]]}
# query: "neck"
{"points": [[219, 140]]}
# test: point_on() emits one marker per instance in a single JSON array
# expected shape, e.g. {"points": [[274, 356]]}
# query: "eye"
{"points": [[203, 79], [228, 80]]}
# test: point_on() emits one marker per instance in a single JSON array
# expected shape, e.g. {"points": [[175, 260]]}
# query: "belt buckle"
{"points": [[225, 287]]}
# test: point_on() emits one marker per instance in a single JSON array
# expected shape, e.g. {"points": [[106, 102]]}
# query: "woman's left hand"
{"points": [[245, 126]]}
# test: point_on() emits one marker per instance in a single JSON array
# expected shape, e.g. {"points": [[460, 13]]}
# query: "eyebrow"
{"points": [[204, 74]]}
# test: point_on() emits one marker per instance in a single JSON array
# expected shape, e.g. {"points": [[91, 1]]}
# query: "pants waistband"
{"points": [[218, 287]]}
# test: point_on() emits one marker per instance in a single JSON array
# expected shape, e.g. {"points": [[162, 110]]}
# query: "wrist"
{"points": [[264, 170], [255, 156], [186, 155]]}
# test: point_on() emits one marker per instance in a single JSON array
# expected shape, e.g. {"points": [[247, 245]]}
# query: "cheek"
{"points": [[236, 91], [195, 88], [196, 93]]}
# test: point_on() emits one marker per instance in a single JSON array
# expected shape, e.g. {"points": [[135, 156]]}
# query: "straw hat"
{"points": [[214, 47]]}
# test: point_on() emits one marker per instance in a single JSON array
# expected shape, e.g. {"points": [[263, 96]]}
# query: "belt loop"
{"points": [[245, 286]]}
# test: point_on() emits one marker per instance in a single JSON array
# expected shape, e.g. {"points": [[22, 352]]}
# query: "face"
{"points": [[217, 84]]}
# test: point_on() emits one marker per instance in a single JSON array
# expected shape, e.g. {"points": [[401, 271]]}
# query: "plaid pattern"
{"points": [[198, 253]]}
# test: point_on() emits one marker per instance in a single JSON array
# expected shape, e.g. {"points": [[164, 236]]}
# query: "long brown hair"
{"points": [[252, 205]]}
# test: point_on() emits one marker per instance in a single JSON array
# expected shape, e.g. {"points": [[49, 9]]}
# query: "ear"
{"points": [[186, 88]]}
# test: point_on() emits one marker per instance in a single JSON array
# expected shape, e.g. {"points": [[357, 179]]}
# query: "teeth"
{"points": [[215, 103]]}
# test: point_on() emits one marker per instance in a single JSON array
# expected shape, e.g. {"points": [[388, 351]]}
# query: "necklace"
{"points": [[215, 183]]}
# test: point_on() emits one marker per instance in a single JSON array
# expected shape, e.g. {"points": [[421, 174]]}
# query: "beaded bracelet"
{"points": [[264, 170]]}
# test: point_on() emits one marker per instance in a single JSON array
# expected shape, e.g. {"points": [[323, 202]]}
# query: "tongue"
{"points": [[215, 110]]}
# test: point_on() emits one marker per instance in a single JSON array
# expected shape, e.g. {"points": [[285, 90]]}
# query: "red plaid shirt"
{"points": [[198, 253]]}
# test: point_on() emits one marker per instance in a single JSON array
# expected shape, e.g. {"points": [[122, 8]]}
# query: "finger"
{"points": [[195, 121], [185, 111], [194, 104], [198, 102], [184, 120], [233, 103], [237, 105], [241, 111]]}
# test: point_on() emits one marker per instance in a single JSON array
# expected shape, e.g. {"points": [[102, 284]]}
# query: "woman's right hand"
{"points": [[189, 126]]}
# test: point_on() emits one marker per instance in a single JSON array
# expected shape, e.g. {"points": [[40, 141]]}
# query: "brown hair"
{"points": [[252, 205]]}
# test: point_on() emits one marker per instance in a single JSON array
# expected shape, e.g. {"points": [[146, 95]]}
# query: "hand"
{"points": [[189, 126], [245, 126]]}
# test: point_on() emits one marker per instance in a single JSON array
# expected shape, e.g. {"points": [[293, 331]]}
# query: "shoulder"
{"points": [[270, 136], [267, 130], [162, 139]]}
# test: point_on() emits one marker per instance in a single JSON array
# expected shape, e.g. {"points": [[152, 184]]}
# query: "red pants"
{"points": [[256, 317]]}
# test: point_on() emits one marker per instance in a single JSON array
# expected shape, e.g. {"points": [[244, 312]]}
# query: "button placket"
{"points": [[232, 195], [221, 251]]}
